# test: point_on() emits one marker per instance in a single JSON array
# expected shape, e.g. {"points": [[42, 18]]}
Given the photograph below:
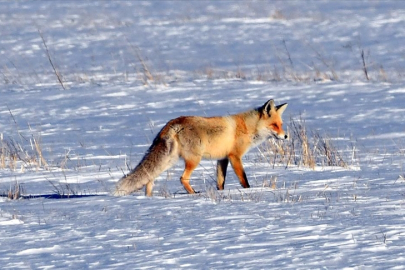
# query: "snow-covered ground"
{"points": [[206, 58]]}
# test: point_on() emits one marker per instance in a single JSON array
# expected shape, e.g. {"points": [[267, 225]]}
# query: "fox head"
{"points": [[271, 119]]}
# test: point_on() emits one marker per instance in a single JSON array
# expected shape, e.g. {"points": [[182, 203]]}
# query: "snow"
{"points": [[207, 58]]}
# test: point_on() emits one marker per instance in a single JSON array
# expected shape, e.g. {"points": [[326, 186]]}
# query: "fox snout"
{"points": [[281, 136]]}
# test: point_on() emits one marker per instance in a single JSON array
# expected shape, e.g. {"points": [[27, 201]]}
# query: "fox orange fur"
{"points": [[193, 138]]}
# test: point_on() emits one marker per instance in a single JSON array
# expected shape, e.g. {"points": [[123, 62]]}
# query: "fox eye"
{"points": [[275, 126]]}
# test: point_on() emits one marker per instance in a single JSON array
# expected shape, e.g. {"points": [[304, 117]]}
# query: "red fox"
{"points": [[193, 138]]}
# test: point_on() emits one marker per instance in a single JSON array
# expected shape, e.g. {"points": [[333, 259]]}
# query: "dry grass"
{"points": [[303, 148], [14, 192], [322, 67], [15, 154], [64, 189], [244, 195]]}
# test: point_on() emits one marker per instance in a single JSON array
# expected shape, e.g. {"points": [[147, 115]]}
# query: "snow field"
{"points": [[207, 58]]}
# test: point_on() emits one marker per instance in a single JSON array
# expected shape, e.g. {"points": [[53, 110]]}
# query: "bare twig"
{"points": [[364, 65], [147, 74], [288, 53], [325, 62], [51, 62], [15, 122]]}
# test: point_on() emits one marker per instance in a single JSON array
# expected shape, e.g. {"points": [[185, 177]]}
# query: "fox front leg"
{"points": [[237, 166]]}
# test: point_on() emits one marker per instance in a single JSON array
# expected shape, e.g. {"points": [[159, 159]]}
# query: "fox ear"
{"points": [[281, 108], [268, 106]]}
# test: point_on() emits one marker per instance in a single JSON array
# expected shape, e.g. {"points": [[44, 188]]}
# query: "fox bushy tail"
{"points": [[161, 155]]}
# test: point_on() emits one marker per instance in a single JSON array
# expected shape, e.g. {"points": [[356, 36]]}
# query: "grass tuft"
{"points": [[15, 192], [303, 148], [14, 154]]}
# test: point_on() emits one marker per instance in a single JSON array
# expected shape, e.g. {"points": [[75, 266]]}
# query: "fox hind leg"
{"points": [[185, 178], [237, 166], [149, 188], [222, 165]]}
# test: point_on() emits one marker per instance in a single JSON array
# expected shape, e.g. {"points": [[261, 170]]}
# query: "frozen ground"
{"points": [[207, 58]]}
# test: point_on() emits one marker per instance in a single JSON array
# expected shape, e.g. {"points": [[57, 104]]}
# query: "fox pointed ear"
{"points": [[268, 106], [281, 108]]}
